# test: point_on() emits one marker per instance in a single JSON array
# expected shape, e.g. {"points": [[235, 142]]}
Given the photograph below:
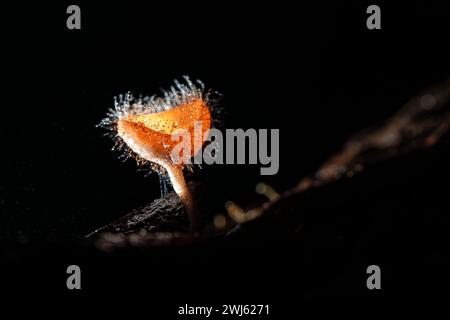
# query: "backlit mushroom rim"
{"points": [[126, 105]]}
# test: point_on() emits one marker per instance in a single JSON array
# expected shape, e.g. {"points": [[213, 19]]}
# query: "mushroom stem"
{"points": [[179, 185]]}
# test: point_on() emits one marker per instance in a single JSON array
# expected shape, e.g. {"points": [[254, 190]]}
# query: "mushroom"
{"points": [[144, 129]]}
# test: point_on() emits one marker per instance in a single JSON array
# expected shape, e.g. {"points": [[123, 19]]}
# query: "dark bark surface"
{"points": [[419, 127]]}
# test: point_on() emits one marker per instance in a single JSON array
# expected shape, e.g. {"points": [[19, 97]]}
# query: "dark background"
{"points": [[313, 71]]}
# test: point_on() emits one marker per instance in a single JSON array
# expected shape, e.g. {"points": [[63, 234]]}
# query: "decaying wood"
{"points": [[420, 124]]}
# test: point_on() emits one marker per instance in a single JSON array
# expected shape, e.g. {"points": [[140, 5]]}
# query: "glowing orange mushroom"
{"points": [[146, 128]]}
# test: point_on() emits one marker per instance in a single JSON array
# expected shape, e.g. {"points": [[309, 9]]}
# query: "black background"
{"points": [[313, 71]]}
